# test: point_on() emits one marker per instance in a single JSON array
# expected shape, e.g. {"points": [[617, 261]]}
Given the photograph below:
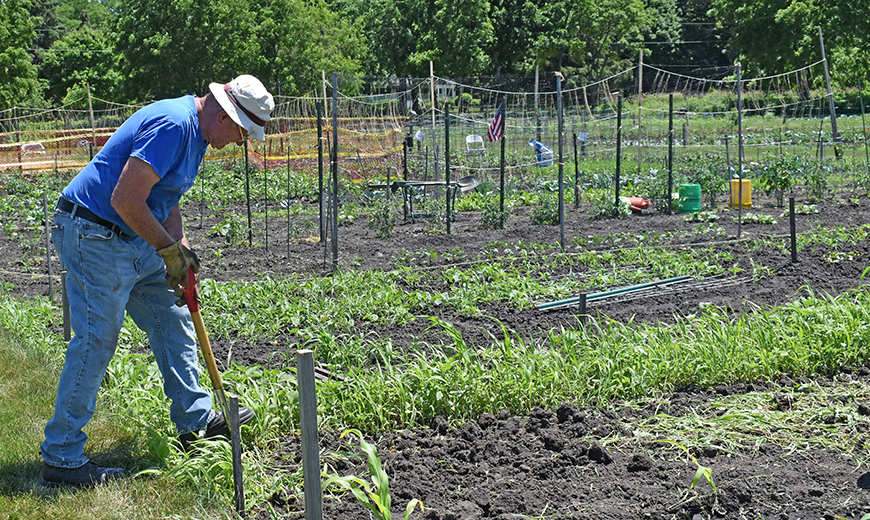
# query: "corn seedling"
{"points": [[374, 496], [704, 472]]}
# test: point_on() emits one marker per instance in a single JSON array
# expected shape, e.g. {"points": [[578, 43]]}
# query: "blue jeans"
{"points": [[108, 274]]}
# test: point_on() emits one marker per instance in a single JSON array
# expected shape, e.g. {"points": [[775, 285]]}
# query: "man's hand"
{"points": [[197, 292], [178, 258]]}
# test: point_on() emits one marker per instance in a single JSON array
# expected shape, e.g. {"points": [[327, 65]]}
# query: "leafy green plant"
{"points": [[233, 229], [705, 170], [817, 181], [802, 209], [492, 217], [756, 218], [603, 205], [778, 175], [701, 216], [374, 496], [345, 219], [383, 218], [861, 178], [546, 213]]}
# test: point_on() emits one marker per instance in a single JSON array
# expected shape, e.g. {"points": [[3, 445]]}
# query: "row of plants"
{"points": [[385, 387], [460, 381], [295, 305], [291, 195]]}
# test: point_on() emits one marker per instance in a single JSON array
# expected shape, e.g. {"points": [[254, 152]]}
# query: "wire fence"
{"points": [[402, 124]]}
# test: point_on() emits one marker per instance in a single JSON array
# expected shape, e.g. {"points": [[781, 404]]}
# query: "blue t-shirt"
{"points": [[164, 134]]}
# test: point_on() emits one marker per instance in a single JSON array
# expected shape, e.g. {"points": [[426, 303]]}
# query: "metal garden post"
{"points": [[739, 151], [670, 193], [320, 192], [618, 152], [334, 171], [447, 160], [561, 163]]}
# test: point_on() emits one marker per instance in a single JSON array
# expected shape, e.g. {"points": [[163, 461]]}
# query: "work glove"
{"points": [[178, 259]]}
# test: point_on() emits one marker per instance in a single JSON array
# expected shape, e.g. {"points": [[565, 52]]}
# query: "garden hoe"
{"points": [[204, 345]]}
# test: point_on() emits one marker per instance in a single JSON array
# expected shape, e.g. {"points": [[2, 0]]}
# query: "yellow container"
{"points": [[735, 193]]}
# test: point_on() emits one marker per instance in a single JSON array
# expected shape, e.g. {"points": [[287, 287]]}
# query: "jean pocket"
{"points": [[91, 231]]}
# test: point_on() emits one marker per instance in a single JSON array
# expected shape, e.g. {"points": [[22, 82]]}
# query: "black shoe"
{"points": [[216, 426], [88, 475]]}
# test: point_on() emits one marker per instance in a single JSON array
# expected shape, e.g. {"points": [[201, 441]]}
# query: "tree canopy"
{"points": [[19, 83], [138, 50], [772, 36]]}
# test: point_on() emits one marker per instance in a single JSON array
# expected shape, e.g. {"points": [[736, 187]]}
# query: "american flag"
{"points": [[496, 128]]}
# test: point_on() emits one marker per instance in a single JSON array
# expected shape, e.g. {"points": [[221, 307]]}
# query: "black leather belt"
{"points": [[77, 210]]}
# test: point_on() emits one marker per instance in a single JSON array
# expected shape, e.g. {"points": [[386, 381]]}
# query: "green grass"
{"points": [[30, 361], [613, 361]]}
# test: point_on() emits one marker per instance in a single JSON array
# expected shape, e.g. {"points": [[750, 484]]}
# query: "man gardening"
{"points": [[118, 233]]}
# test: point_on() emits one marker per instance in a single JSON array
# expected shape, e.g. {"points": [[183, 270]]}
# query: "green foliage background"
{"points": [[140, 50]]}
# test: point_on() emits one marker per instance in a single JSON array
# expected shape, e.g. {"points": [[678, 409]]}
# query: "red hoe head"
{"points": [[190, 291]]}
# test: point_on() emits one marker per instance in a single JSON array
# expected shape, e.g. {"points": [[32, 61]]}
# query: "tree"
{"points": [[702, 53], [19, 84], [299, 39], [773, 36], [176, 47], [173, 47], [95, 13], [453, 35], [591, 39], [390, 30], [49, 28], [84, 56], [405, 35], [516, 24]]}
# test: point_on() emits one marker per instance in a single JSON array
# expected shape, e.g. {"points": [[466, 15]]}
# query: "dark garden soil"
{"points": [[557, 464]]}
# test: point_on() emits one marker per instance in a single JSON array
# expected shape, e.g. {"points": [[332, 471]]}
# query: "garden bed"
{"points": [[417, 247], [593, 460]]}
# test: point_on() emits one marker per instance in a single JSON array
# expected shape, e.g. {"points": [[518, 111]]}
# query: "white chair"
{"points": [[474, 145], [33, 148]]}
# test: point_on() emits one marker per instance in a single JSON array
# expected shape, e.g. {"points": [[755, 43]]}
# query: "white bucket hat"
{"points": [[247, 102]]}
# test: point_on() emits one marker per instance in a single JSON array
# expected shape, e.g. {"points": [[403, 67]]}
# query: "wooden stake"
{"points": [[236, 440], [310, 442]]}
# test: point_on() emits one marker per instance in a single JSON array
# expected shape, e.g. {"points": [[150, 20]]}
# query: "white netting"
{"points": [[781, 109]]}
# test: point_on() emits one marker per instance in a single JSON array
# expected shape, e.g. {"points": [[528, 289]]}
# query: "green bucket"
{"points": [[690, 198]]}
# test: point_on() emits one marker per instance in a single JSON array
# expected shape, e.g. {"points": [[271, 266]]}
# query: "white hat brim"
{"points": [[254, 130]]}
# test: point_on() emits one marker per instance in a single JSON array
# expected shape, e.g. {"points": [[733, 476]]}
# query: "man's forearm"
{"points": [[129, 200], [144, 224], [173, 225]]}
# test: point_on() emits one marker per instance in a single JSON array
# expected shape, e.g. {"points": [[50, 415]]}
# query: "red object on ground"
{"points": [[638, 204]]}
